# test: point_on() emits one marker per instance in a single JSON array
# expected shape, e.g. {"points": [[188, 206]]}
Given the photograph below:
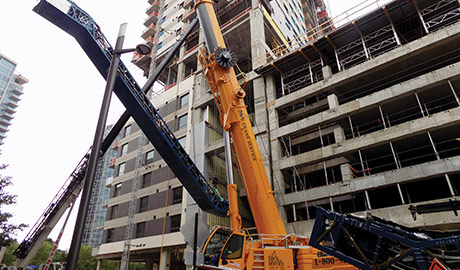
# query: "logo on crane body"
{"points": [[274, 262], [246, 134]]}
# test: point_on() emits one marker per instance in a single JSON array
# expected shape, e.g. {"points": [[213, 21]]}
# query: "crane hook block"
{"points": [[225, 57]]}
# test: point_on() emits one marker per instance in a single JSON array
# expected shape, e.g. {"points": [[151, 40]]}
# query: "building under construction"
{"points": [[351, 115]]}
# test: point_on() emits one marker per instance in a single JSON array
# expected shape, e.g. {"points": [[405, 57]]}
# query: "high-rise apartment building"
{"points": [[251, 29], [92, 235], [11, 89]]}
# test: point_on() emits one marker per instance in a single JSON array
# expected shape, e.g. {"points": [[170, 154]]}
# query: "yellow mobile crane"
{"points": [[271, 247]]}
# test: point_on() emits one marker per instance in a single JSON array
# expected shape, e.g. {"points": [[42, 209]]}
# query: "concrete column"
{"points": [[149, 264], [98, 265], [257, 35], [165, 259], [181, 65], [347, 174], [333, 101], [256, 22], [327, 72], [339, 134], [2, 253]]}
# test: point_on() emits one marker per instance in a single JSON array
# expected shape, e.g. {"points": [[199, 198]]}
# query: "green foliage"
{"points": [[43, 253], [9, 258], [85, 260], [7, 230], [136, 266], [109, 265], [60, 256]]}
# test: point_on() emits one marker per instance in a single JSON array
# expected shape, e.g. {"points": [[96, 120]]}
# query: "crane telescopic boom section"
{"points": [[234, 118]]}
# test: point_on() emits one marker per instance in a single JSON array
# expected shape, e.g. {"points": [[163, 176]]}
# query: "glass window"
{"points": [[149, 156], [140, 229], [184, 101], [162, 32], [163, 20], [124, 149], [234, 247], [177, 195], [183, 121], [179, 19], [143, 204], [128, 130], [175, 223], [159, 45], [121, 168], [181, 5], [146, 180], [117, 191], [182, 141], [114, 212], [110, 233], [215, 244], [178, 31]]}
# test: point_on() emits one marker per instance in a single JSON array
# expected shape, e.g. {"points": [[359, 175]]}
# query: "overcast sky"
{"points": [[55, 122]]}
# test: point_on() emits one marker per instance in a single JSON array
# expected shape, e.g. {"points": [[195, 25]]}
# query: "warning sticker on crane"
{"points": [[437, 265]]}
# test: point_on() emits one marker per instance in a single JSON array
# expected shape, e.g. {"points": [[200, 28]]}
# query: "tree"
{"points": [[42, 253], [9, 258], [85, 260], [7, 230]]}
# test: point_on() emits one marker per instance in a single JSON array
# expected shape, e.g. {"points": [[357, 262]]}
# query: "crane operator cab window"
{"points": [[214, 246], [233, 248]]}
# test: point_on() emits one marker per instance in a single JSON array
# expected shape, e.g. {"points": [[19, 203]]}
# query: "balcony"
{"points": [[3, 128], [19, 79], [112, 162], [154, 7], [12, 104], [4, 122], [152, 19], [9, 110], [142, 61], [115, 144], [7, 115], [188, 3], [17, 91], [150, 41], [15, 97], [149, 32], [189, 15]]}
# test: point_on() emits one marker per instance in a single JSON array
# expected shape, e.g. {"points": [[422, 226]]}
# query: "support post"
{"points": [[351, 127], [400, 193], [195, 241], [383, 117], [434, 146], [420, 16], [449, 183], [368, 200], [453, 91], [397, 162], [419, 104], [74, 251]]}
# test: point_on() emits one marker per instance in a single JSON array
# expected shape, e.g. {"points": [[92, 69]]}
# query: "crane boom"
{"points": [[229, 98]]}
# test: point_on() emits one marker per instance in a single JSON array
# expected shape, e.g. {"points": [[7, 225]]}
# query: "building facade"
{"points": [[357, 117], [11, 90], [164, 210], [365, 119]]}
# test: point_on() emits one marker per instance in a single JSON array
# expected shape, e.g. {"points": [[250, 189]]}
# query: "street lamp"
{"points": [[143, 49]]}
